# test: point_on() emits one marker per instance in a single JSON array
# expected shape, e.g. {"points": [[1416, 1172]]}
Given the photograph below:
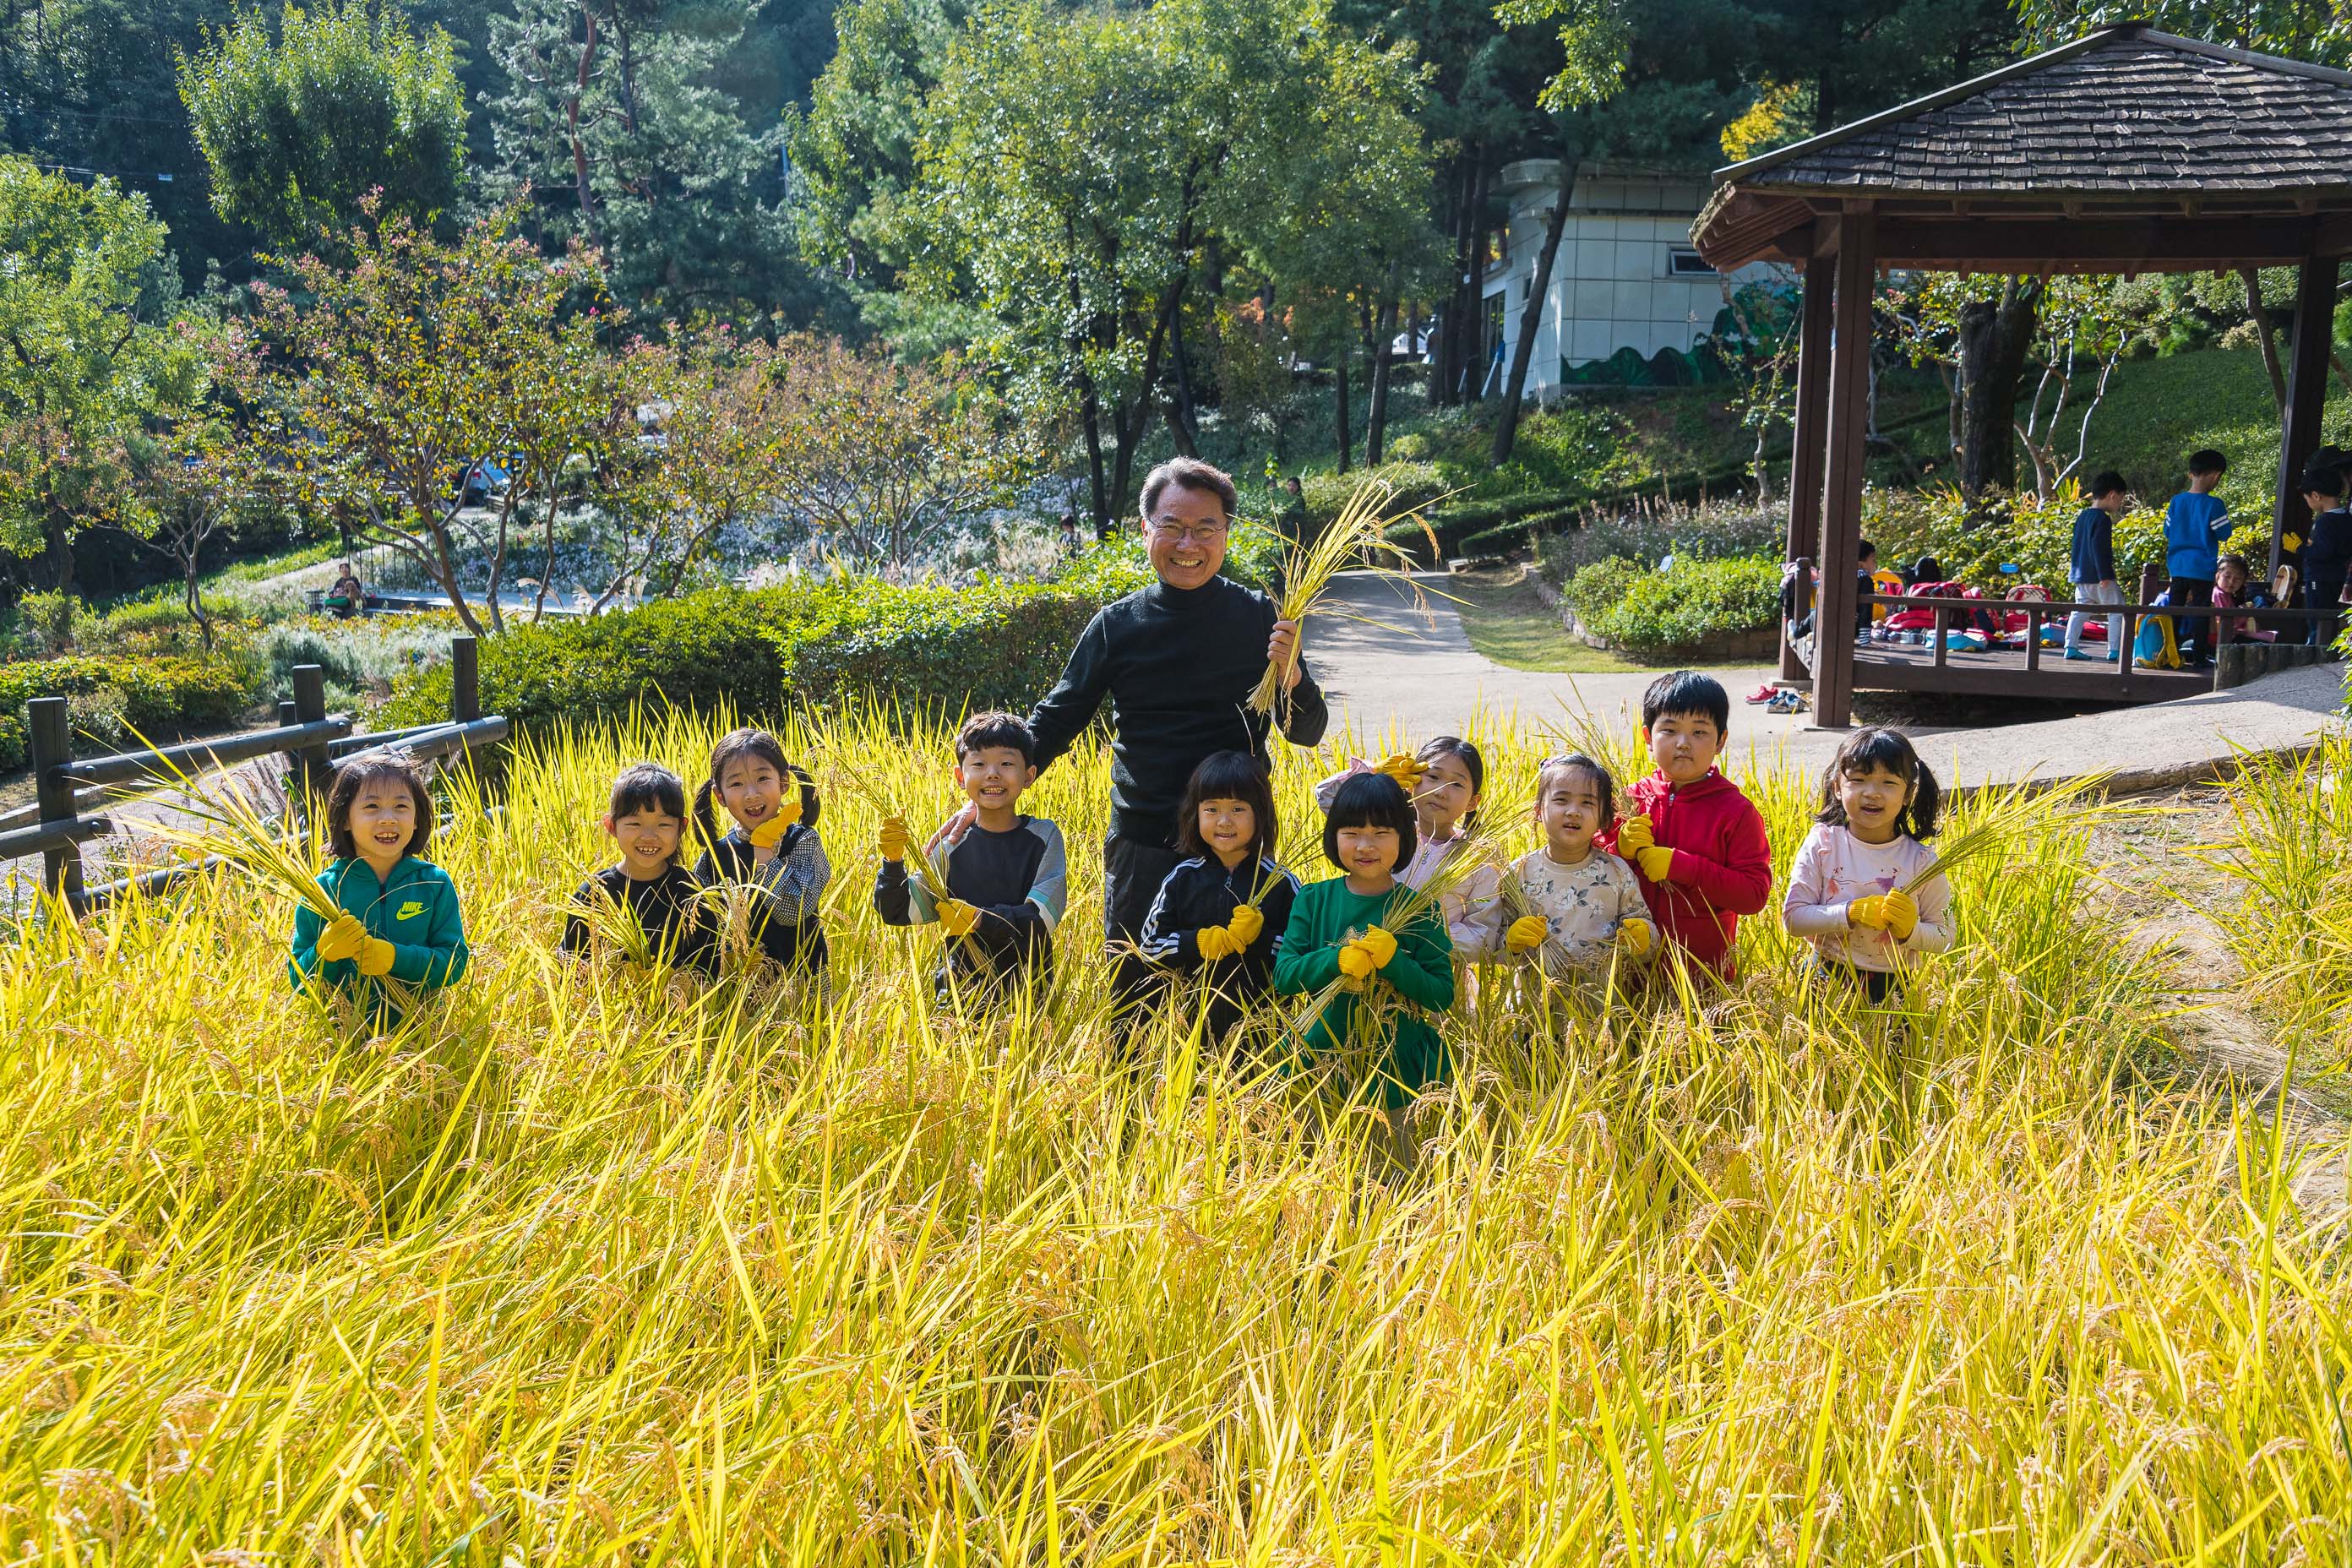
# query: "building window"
{"points": [[1683, 262]]}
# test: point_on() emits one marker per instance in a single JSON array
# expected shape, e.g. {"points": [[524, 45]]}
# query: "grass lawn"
{"points": [[1508, 624]]}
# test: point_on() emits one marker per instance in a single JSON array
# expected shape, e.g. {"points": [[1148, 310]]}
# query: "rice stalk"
{"points": [[1356, 539]]}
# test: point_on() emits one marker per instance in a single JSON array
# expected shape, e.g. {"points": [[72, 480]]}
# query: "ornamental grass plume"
{"points": [[1356, 539]]}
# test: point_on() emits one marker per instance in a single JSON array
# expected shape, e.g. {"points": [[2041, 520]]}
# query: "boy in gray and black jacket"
{"points": [[1005, 873]]}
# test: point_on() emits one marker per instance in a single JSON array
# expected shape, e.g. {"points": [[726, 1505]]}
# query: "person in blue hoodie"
{"points": [[398, 919], [2195, 523]]}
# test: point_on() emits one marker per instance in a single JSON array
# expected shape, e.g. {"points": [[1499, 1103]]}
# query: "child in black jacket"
{"points": [[1004, 872], [1220, 913]]}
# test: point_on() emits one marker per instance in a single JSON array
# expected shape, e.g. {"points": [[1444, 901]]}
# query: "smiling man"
{"points": [[1177, 660]]}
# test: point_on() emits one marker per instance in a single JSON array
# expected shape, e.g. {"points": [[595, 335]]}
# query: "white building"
{"points": [[1626, 276]]}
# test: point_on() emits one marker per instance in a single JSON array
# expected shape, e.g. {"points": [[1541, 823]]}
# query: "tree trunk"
{"points": [[2261, 316], [1457, 328], [579, 147], [1376, 422], [1523, 352], [1127, 427], [53, 571], [1090, 412], [1994, 335], [197, 598], [1183, 424], [1339, 411], [1472, 373]]}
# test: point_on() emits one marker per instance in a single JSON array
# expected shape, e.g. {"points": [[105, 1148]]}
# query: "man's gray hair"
{"points": [[1194, 475]]}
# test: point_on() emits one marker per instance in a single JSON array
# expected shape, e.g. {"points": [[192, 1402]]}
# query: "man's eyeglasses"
{"points": [[1198, 533]]}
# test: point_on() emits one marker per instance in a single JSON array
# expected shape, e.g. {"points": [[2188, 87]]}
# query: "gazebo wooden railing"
{"points": [[2128, 150], [2037, 671]]}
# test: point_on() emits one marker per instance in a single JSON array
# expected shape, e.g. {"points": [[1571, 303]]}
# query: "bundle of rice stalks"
{"points": [[918, 859], [1357, 538], [2005, 818]]}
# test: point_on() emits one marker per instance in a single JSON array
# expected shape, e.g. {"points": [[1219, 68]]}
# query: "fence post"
{"points": [[52, 747], [465, 679], [314, 775]]}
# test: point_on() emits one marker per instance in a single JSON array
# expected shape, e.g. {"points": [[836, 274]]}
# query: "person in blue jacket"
{"points": [[2195, 523], [399, 920]]}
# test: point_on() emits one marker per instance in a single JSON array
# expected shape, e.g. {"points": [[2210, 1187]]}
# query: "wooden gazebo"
{"points": [[2128, 150]]}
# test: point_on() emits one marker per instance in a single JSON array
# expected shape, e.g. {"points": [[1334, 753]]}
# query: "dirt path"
{"points": [[2169, 866]]}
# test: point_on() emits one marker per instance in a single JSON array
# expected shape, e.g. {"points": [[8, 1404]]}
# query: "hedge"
{"points": [[762, 650], [1691, 609], [113, 696]]}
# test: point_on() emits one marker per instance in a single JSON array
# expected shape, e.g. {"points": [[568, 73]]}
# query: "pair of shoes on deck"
{"points": [[1787, 700], [1763, 694]]}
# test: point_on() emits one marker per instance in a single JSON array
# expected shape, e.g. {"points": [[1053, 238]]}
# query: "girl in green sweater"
{"points": [[1398, 966], [399, 924]]}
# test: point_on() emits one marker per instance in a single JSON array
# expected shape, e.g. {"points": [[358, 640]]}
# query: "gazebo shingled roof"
{"points": [[2124, 122], [2126, 150]]}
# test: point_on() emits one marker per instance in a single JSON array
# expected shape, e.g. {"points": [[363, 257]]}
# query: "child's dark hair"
{"points": [[1464, 752], [2107, 483], [2234, 559], [648, 786], [1228, 775], [356, 775], [2323, 474], [1876, 746], [757, 745], [1603, 784], [1688, 692], [1926, 569], [983, 731], [1866, 551], [1371, 800], [2206, 460]]}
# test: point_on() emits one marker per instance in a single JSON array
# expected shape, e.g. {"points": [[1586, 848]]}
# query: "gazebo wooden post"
{"points": [[1849, 421], [2306, 396], [1808, 444]]}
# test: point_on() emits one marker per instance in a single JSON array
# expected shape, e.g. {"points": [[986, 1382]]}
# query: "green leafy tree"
{"points": [[1077, 171], [92, 84], [2310, 30], [93, 342], [385, 382], [300, 129], [614, 125], [187, 483]]}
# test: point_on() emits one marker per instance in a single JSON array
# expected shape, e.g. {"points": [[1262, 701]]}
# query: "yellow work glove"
{"points": [[1634, 835], [772, 832], [1403, 768], [1380, 944], [1245, 927], [895, 840], [1635, 936], [341, 939], [1356, 962], [375, 956], [1527, 933], [1654, 862], [1869, 913], [957, 918], [1902, 914], [1215, 942]]}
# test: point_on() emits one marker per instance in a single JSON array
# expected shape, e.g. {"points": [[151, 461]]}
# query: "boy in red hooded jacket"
{"points": [[1698, 843]]}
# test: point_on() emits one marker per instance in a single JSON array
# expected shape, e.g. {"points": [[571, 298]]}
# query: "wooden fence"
{"points": [[311, 739]]}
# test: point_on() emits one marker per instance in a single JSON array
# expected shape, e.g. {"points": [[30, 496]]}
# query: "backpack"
{"points": [[2155, 646]]}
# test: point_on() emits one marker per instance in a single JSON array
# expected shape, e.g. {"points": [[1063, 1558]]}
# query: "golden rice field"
{"points": [[567, 1272]]}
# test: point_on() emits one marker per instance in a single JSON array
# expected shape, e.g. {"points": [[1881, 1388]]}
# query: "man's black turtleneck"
{"points": [[1178, 665]]}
